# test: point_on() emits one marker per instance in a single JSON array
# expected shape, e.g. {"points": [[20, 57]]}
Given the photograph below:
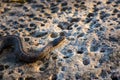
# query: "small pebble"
{"points": [[1, 67], [104, 74], [78, 76], [86, 61], [54, 34], [64, 68], [74, 20], [54, 9], [63, 25]]}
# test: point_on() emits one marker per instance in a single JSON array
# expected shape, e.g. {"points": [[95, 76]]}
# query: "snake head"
{"points": [[58, 40]]}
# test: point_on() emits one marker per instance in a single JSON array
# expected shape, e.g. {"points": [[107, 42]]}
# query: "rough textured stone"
{"points": [[92, 47]]}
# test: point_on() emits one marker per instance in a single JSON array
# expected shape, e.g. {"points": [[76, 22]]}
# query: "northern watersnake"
{"points": [[15, 41]]}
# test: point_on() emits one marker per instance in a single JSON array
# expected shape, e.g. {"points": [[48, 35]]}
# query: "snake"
{"points": [[15, 42]]}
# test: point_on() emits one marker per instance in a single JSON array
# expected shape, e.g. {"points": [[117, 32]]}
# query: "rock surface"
{"points": [[91, 27]]}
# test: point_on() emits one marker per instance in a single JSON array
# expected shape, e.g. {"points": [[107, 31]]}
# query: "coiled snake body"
{"points": [[15, 41]]}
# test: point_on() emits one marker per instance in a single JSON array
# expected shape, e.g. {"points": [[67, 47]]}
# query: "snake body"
{"points": [[15, 41]]}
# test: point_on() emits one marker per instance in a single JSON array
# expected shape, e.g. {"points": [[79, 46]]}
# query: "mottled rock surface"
{"points": [[91, 27]]}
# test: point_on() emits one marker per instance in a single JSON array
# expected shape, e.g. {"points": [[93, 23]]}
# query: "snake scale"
{"points": [[15, 41]]}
